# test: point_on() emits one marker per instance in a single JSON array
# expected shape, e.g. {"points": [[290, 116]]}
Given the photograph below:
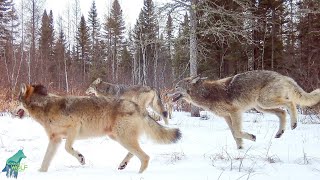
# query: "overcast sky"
{"points": [[131, 8]]}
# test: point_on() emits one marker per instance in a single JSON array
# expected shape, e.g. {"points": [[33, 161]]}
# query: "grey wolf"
{"points": [[266, 91], [144, 96], [13, 164], [167, 101], [79, 117]]}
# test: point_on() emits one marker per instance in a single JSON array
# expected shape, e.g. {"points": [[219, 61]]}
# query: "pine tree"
{"points": [[181, 50], [51, 36], [46, 45], [308, 45], [94, 27], [145, 35], [126, 65], [60, 60], [83, 39], [169, 65], [115, 26], [272, 13]]}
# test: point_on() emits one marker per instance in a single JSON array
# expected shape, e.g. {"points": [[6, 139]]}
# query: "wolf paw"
{"points": [[124, 165], [278, 135], [240, 147], [254, 138], [294, 126], [81, 159], [43, 170]]}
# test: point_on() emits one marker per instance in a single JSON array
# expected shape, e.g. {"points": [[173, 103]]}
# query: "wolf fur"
{"points": [[79, 117], [144, 96], [266, 91], [167, 101]]}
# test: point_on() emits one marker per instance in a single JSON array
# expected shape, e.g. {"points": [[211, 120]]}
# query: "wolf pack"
{"points": [[122, 112]]}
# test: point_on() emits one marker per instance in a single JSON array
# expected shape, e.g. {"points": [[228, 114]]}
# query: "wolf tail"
{"points": [[159, 133], [303, 98], [158, 106]]}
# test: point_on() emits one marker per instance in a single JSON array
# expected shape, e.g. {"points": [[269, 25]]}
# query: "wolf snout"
{"points": [[176, 97]]}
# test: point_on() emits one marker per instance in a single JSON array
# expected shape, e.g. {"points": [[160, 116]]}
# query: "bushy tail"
{"points": [[303, 98], [159, 133]]}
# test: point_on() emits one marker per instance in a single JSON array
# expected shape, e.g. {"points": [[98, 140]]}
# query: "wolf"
{"points": [[266, 91], [80, 117], [167, 101], [144, 96]]}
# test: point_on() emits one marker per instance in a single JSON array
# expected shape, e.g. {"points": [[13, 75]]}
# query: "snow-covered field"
{"points": [[206, 151]]}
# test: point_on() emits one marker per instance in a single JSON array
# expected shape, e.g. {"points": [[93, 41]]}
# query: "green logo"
{"points": [[13, 166]]}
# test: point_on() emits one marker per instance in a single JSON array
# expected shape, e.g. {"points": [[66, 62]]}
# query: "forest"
{"points": [[169, 41]]}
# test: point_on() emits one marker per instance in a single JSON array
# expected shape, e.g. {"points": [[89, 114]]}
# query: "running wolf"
{"points": [[79, 117], [266, 91], [144, 96]]}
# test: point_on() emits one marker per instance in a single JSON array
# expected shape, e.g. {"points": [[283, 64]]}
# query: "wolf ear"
{"points": [[23, 89], [97, 81]]}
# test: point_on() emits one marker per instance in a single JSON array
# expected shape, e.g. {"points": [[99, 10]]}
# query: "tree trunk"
{"points": [[193, 50], [155, 66], [66, 75]]}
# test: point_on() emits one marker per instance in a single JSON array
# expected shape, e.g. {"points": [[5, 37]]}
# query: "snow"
{"points": [[206, 151]]}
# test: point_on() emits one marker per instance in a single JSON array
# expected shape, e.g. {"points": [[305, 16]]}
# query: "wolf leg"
{"points": [[125, 161], [134, 148], [266, 103], [72, 134], [293, 114], [237, 127], [282, 116], [238, 140], [51, 150]]}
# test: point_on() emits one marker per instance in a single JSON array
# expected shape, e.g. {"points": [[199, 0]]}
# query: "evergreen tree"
{"points": [[169, 65], [272, 18], [181, 50], [46, 45], [308, 46], [94, 27], [51, 36], [115, 27], [60, 59], [83, 39], [126, 65], [145, 35]]}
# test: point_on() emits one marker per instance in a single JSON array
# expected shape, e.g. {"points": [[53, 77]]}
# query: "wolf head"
{"points": [[29, 94], [183, 87], [98, 87], [93, 87]]}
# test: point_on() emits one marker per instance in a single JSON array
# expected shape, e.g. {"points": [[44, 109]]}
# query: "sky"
{"points": [[130, 8]]}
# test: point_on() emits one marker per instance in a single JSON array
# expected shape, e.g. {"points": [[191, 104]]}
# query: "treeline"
{"points": [[216, 38]]}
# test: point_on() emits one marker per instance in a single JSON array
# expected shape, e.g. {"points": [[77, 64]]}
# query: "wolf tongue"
{"points": [[20, 113]]}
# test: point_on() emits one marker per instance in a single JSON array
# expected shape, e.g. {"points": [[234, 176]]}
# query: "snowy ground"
{"points": [[206, 151]]}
